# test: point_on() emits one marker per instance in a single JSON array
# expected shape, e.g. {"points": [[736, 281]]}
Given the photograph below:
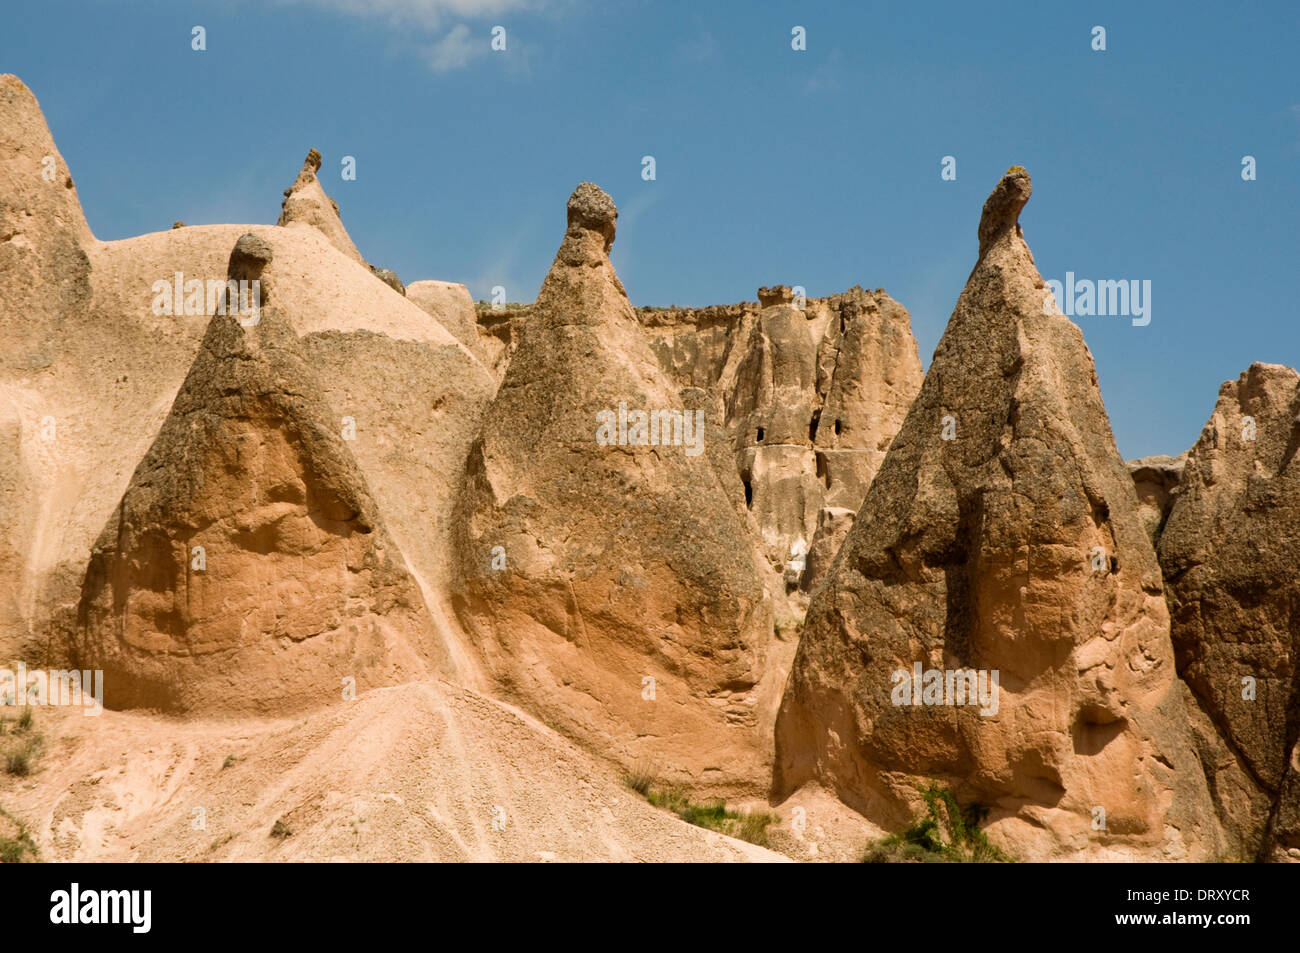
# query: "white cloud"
{"points": [[456, 49], [424, 18], [428, 14]]}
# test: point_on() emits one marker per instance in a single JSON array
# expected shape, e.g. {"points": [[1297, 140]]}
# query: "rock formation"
{"points": [[451, 306], [811, 391], [1155, 479], [306, 204], [247, 567], [95, 355], [1229, 551], [605, 570], [833, 525], [1002, 534], [577, 518]]}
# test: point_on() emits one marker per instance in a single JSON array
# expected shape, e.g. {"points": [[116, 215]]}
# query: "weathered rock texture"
{"points": [[622, 563], [306, 204], [451, 306], [811, 392], [92, 365], [247, 567], [1155, 479], [1230, 552], [240, 518], [977, 553], [833, 525]]}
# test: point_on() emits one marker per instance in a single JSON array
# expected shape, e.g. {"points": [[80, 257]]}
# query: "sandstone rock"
{"points": [[306, 204], [247, 567], [813, 402], [451, 306], [775, 295], [89, 373], [413, 389], [389, 278], [833, 525], [976, 553], [1155, 479], [811, 397], [870, 373], [1229, 552], [587, 569], [42, 233]]}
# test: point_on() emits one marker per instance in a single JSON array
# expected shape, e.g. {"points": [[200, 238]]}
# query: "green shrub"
{"points": [[20, 848], [948, 833], [18, 763], [640, 780], [712, 814]]}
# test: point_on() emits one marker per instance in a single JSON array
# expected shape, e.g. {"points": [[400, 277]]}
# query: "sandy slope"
{"points": [[413, 773]]}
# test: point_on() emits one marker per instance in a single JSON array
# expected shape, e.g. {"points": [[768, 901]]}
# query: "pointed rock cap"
{"points": [[1002, 208], [38, 194], [311, 165], [625, 556], [305, 203], [249, 257], [591, 208], [582, 264]]}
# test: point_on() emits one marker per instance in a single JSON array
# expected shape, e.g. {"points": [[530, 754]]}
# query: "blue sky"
{"points": [[818, 168]]}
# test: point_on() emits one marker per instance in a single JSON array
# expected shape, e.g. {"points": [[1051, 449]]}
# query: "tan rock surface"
{"points": [[451, 306], [1229, 551], [1155, 479], [101, 370], [349, 474], [811, 396], [975, 553], [622, 562], [306, 205], [833, 525], [247, 566]]}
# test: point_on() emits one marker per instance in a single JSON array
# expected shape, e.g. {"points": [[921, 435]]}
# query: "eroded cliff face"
{"points": [[811, 392], [247, 567], [1229, 551], [1002, 534], [600, 515], [1156, 479], [605, 569]]}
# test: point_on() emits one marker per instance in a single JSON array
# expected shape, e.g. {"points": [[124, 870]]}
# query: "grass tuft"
{"points": [[19, 848], [711, 814], [23, 744], [948, 833]]}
